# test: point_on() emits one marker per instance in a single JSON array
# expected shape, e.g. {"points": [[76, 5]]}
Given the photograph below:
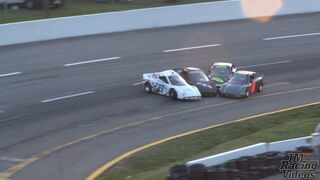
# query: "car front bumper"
{"points": [[192, 97], [232, 95]]}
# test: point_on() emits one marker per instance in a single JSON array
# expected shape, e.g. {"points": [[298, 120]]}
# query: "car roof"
{"points": [[192, 69], [245, 72], [168, 73], [222, 64]]}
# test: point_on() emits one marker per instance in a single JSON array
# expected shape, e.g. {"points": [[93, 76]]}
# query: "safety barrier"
{"points": [[40, 30], [286, 145]]}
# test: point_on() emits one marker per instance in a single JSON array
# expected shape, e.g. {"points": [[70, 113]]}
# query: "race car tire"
{"points": [[260, 87], [247, 93], [173, 94], [147, 87]]}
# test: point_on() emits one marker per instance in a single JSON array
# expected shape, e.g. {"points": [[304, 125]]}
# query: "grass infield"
{"points": [[154, 162], [81, 7]]}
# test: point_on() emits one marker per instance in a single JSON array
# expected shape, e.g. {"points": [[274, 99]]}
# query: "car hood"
{"points": [[219, 79], [233, 88], [205, 85], [188, 91]]}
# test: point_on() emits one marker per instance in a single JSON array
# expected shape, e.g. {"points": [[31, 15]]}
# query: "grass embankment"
{"points": [[154, 163], [81, 7]]}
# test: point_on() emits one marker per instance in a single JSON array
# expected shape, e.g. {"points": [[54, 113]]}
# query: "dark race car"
{"points": [[242, 84], [196, 77], [221, 72]]}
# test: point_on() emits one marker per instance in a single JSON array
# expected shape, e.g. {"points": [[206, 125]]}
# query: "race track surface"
{"points": [[57, 92]]}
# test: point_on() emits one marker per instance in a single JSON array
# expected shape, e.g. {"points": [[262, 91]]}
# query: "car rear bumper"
{"points": [[207, 94]]}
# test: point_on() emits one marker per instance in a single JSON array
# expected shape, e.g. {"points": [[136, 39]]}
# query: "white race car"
{"points": [[169, 83]]}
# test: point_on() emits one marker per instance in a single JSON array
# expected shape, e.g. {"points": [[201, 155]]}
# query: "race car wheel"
{"points": [[247, 93], [147, 87], [260, 87], [173, 94]]}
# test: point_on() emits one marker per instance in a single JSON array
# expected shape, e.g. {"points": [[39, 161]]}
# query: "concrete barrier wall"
{"points": [[234, 154], [40, 30], [289, 145], [282, 146]]}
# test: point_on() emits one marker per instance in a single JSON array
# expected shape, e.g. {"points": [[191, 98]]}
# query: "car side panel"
{"points": [[253, 87]]}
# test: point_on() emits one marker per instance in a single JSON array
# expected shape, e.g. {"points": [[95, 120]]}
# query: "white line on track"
{"points": [[190, 48], [11, 159], [10, 74], [264, 64], [68, 96], [137, 84], [91, 61], [291, 36]]}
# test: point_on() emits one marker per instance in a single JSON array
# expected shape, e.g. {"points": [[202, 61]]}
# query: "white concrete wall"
{"points": [[282, 146], [234, 154], [289, 145], [40, 30]]}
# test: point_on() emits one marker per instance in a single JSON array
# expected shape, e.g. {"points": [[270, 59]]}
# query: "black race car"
{"points": [[242, 84], [196, 77], [221, 72]]}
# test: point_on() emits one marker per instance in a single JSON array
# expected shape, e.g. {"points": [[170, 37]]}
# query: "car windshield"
{"points": [[177, 81], [197, 76], [221, 71], [239, 79]]}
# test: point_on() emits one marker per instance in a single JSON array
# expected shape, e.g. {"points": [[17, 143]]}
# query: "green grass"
{"points": [[154, 163], [80, 7]]}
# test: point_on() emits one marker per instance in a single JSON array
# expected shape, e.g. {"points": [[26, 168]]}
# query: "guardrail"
{"points": [[40, 30], [282, 146]]}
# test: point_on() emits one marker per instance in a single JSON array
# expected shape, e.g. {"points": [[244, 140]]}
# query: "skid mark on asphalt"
{"points": [[18, 167], [137, 83]]}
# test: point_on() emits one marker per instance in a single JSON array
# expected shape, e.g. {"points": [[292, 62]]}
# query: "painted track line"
{"points": [[66, 97], [10, 74], [116, 160], [6, 174], [91, 61], [291, 36], [191, 48], [265, 64], [10, 159]]}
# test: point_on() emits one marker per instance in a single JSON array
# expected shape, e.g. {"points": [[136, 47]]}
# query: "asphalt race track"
{"points": [[57, 92]]}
